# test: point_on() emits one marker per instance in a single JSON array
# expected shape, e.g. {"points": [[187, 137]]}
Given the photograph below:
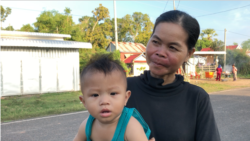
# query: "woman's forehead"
{"points": [[170, 31]]}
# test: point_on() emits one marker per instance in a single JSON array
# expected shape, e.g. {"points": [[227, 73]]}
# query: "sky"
{"points": [[234, 16]]}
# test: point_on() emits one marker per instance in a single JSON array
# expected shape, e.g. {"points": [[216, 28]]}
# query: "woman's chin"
{"points": [[157, 73], [160, 73]]}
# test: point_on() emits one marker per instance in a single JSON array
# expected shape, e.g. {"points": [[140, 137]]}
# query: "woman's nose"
{"points": [[161, 52]]}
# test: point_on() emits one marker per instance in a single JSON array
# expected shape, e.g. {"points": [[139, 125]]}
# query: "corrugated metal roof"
{"points": [[43, 43], [130, 47], [21, 33]]}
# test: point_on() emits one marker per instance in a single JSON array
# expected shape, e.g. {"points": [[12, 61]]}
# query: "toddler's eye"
{"points": [[113, 93], [94, 95]]}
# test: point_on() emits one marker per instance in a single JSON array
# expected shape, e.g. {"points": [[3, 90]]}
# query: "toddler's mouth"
{"points": [[105, 113]]}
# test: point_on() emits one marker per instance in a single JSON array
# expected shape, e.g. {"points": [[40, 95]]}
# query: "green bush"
{"points": [[85, 55], [239, 58]]}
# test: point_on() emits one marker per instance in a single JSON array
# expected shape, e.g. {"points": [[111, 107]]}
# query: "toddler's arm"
{"points": [[81, 136], [134, 131]]}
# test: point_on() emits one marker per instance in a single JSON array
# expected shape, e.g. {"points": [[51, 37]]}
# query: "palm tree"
{"points": [[209, 32]]}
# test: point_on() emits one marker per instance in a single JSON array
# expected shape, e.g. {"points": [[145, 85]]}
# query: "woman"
{"points": [[219, 70], [174, 110]]}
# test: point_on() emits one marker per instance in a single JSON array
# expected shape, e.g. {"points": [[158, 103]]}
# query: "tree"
{"points": [[217, 45], [67, 12], [209, 33], [54, 22], [147, 29], [202, 43], [5, 13], [235, 43], [208, 41], [10, 28], [246, 44], [240, 59], [27, 28], [85, 55], [100, 13]]}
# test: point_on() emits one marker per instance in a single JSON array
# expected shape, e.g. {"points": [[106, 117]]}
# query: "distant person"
{"points": [[234, 70], [219, 71], [104, 95]]}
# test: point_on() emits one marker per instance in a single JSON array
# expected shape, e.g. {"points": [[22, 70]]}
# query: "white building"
{"points": [[33, 63]]}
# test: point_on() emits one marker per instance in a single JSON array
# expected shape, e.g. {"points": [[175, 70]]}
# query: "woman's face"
{"points": [[167, 49]]}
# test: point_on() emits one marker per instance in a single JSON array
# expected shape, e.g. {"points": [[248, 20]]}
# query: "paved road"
{"points": [[232, 113], [231, 108]]}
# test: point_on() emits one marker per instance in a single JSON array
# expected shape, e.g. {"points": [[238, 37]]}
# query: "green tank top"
{"points": [[122, 124]]}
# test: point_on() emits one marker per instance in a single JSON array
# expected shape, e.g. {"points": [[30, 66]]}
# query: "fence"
{"points": [[204, 69]]}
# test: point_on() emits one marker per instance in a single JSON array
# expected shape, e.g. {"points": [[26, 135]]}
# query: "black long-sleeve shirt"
{"points": [[178, 111]]}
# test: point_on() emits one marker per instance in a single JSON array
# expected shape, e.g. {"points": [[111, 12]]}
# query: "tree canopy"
{"points": [[27, 28], [10, 28], [208, 40], [246, 44], [5, 13]]}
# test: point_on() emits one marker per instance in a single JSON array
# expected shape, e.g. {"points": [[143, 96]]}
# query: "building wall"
{"points": [[31, 70], [139, 65]]}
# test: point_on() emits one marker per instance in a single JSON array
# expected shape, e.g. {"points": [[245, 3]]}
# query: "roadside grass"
{"points": [[208, 87], [29, 106], [244, 76], [213, 86]]}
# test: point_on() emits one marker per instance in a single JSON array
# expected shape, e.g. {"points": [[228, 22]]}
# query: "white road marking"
{"points": [[43, 117]]}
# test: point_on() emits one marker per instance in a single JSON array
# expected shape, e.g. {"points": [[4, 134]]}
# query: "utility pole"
{"points": [[174, 4], [116, 37], [225, 48]]}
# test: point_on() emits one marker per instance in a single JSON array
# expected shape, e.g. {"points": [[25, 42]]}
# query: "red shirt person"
{"points": [[219, 70]]}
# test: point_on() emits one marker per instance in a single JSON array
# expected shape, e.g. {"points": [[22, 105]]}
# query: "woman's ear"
{"points": [[190, 53], [127, 95]]}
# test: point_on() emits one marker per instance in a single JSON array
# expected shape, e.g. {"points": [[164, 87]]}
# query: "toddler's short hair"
{"points": [[102, 63]]}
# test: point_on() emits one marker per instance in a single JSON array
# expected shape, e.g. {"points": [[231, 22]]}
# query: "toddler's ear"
{"points": [[127, 95], [82, 99]]}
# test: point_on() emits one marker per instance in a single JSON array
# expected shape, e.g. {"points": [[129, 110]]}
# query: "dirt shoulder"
{"points": [[210, 85]]}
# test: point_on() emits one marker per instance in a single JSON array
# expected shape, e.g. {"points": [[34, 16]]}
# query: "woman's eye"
{"points": [[171, 47], [113, 93], [94, 95], [154, 41]]}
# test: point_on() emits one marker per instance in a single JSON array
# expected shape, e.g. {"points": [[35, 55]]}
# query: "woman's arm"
{"points": [[206, 127]]}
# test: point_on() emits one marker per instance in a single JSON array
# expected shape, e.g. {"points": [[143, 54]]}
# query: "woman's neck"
{"points": [[169, 78]]}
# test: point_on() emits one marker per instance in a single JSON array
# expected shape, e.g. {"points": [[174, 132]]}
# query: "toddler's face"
{"points": [[104, 96]]}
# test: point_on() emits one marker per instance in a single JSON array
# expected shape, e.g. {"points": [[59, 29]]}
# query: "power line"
{"points": [[228, 31], [165, 6], [41, 11], [239, 34], [222, 11], [178, 4]]}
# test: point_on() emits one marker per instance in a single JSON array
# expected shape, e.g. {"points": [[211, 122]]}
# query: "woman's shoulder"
{"points": [[196, 90], [131, 80]]}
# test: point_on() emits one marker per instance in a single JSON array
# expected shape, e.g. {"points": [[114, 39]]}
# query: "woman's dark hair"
{"points": [[188, 23]]}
